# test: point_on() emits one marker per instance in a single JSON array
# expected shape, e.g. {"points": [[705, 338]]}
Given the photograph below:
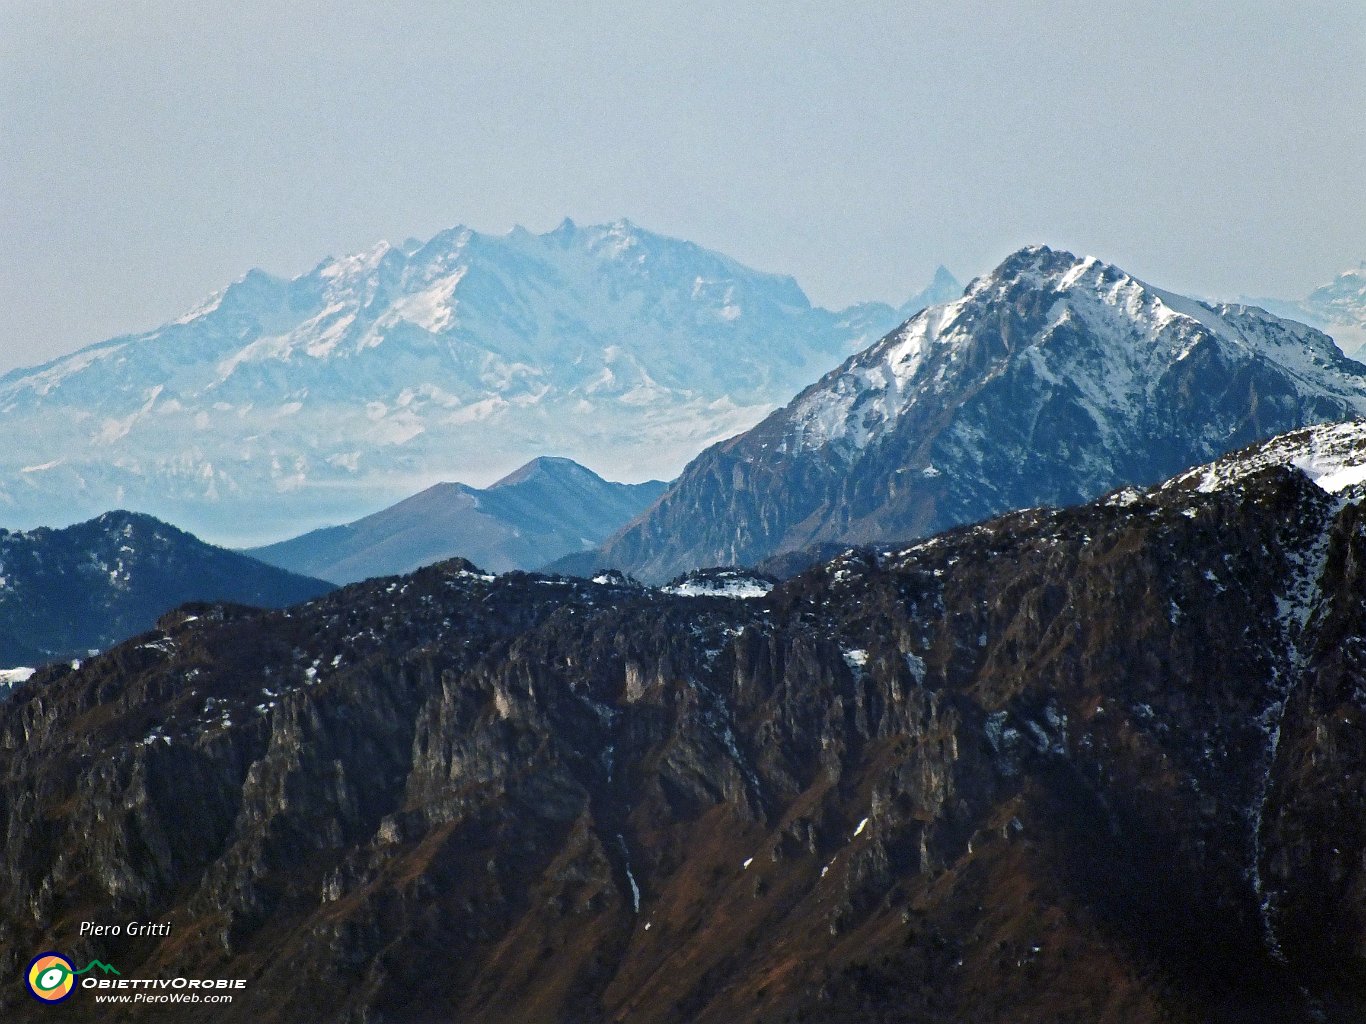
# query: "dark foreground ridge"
{"points": [[1101, 765]]}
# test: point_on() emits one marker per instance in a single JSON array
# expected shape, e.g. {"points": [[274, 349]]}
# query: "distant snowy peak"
{"points": [[1337, 308], [1346, 293], [1090, 327], [1341, 308], [347, 305], [280, 405], [944, 287]]}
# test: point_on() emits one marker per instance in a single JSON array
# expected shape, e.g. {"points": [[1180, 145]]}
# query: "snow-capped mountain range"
{"points": [[1050, 381], [281, 405]]}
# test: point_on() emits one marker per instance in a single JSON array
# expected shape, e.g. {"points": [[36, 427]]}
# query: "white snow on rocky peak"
{"points": [[1333, 455], [279, 405], [1144, 331]]}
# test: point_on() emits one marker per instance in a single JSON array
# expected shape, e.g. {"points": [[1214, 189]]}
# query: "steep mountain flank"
{"points": [[1051, 381]]}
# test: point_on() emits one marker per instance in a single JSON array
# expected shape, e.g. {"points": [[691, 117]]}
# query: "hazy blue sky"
{"points": [[152, 151]]}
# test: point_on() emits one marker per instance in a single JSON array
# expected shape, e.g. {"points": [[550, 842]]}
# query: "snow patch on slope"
{"points": [[1333, 455], [731, 583]]}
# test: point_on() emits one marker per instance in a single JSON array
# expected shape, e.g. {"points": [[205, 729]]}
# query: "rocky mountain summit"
{"points": [[1050, 381], [1097, 765], [280, 406], [540, 512], [67, 593]]}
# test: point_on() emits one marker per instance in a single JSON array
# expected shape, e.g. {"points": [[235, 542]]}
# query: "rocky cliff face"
{"points": [[1051, 381], [1100, 765]]}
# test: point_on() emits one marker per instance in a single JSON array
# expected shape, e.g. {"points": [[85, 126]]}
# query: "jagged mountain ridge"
{"points": [[1102, 764], [536, 514], [1052, 380], [66, 592], [282, 405]]}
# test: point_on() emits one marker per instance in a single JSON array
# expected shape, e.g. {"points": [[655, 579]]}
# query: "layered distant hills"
{"points": [[544, 510], [67, 593], [1103, 764], [283, 405], [1050, 381]]}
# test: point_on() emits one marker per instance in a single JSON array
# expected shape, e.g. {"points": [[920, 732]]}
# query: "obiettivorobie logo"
{"points": [[52, 977]]}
